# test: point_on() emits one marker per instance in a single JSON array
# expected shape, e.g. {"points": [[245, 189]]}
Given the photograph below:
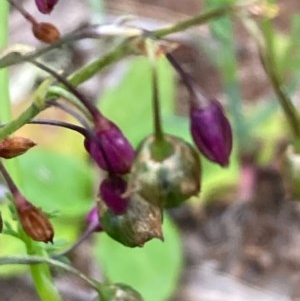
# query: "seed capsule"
{"points": [[140, 223], [169, 181]]}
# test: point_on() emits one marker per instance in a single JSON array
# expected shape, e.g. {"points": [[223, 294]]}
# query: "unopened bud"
{"points": [[15, 146], [45, 6], [212, 132], [45, 32], [34, 222], [111, 192], [115, 153]]}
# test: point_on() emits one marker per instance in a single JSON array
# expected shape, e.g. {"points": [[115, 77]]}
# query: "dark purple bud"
{"points": [[93, 221], [111, 191], [45, 6], [112, 151], [212, 132]]}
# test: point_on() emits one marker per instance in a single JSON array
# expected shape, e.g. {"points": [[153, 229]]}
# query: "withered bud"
{"points": [[46, 32], [15, 146], [35, 223], [140, 223]]}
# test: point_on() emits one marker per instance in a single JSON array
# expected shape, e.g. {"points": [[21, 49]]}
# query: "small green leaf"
{"points": [[153, 270]]}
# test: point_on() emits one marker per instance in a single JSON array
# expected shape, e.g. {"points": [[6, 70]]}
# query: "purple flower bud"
{"points": [[92, 220], [115, 154], [111, 191], [45, 6], [211, 132]]}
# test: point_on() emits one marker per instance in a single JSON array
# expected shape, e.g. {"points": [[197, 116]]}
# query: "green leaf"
{"points": [[57, 182], [153, 270], [129, 104]]}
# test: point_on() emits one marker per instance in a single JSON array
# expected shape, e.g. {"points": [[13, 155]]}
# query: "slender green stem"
{"points": [[97, 65], [161, 148], [158, 132], [197, 20], [40, 273], [5, 112], [88, 104], [5, 107], [15, 124], [57, 91], [35, 260], [87, 233], [270, 65]]}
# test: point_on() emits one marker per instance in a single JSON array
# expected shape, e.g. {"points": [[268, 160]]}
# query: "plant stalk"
{"points": [[35, 260], [194, 21], [269, 63]]}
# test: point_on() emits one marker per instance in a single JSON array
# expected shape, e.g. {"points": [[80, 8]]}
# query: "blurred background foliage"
{"points": [[58, 177]]}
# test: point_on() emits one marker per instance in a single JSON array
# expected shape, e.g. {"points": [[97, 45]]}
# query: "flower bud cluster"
{"points": [[164, 172]]}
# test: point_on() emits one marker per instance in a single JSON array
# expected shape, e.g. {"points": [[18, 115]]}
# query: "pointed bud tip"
{"points": [[159, 235]]}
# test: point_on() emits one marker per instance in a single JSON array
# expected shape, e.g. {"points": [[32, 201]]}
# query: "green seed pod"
{"points": [[168, 178], [141, 222]]}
